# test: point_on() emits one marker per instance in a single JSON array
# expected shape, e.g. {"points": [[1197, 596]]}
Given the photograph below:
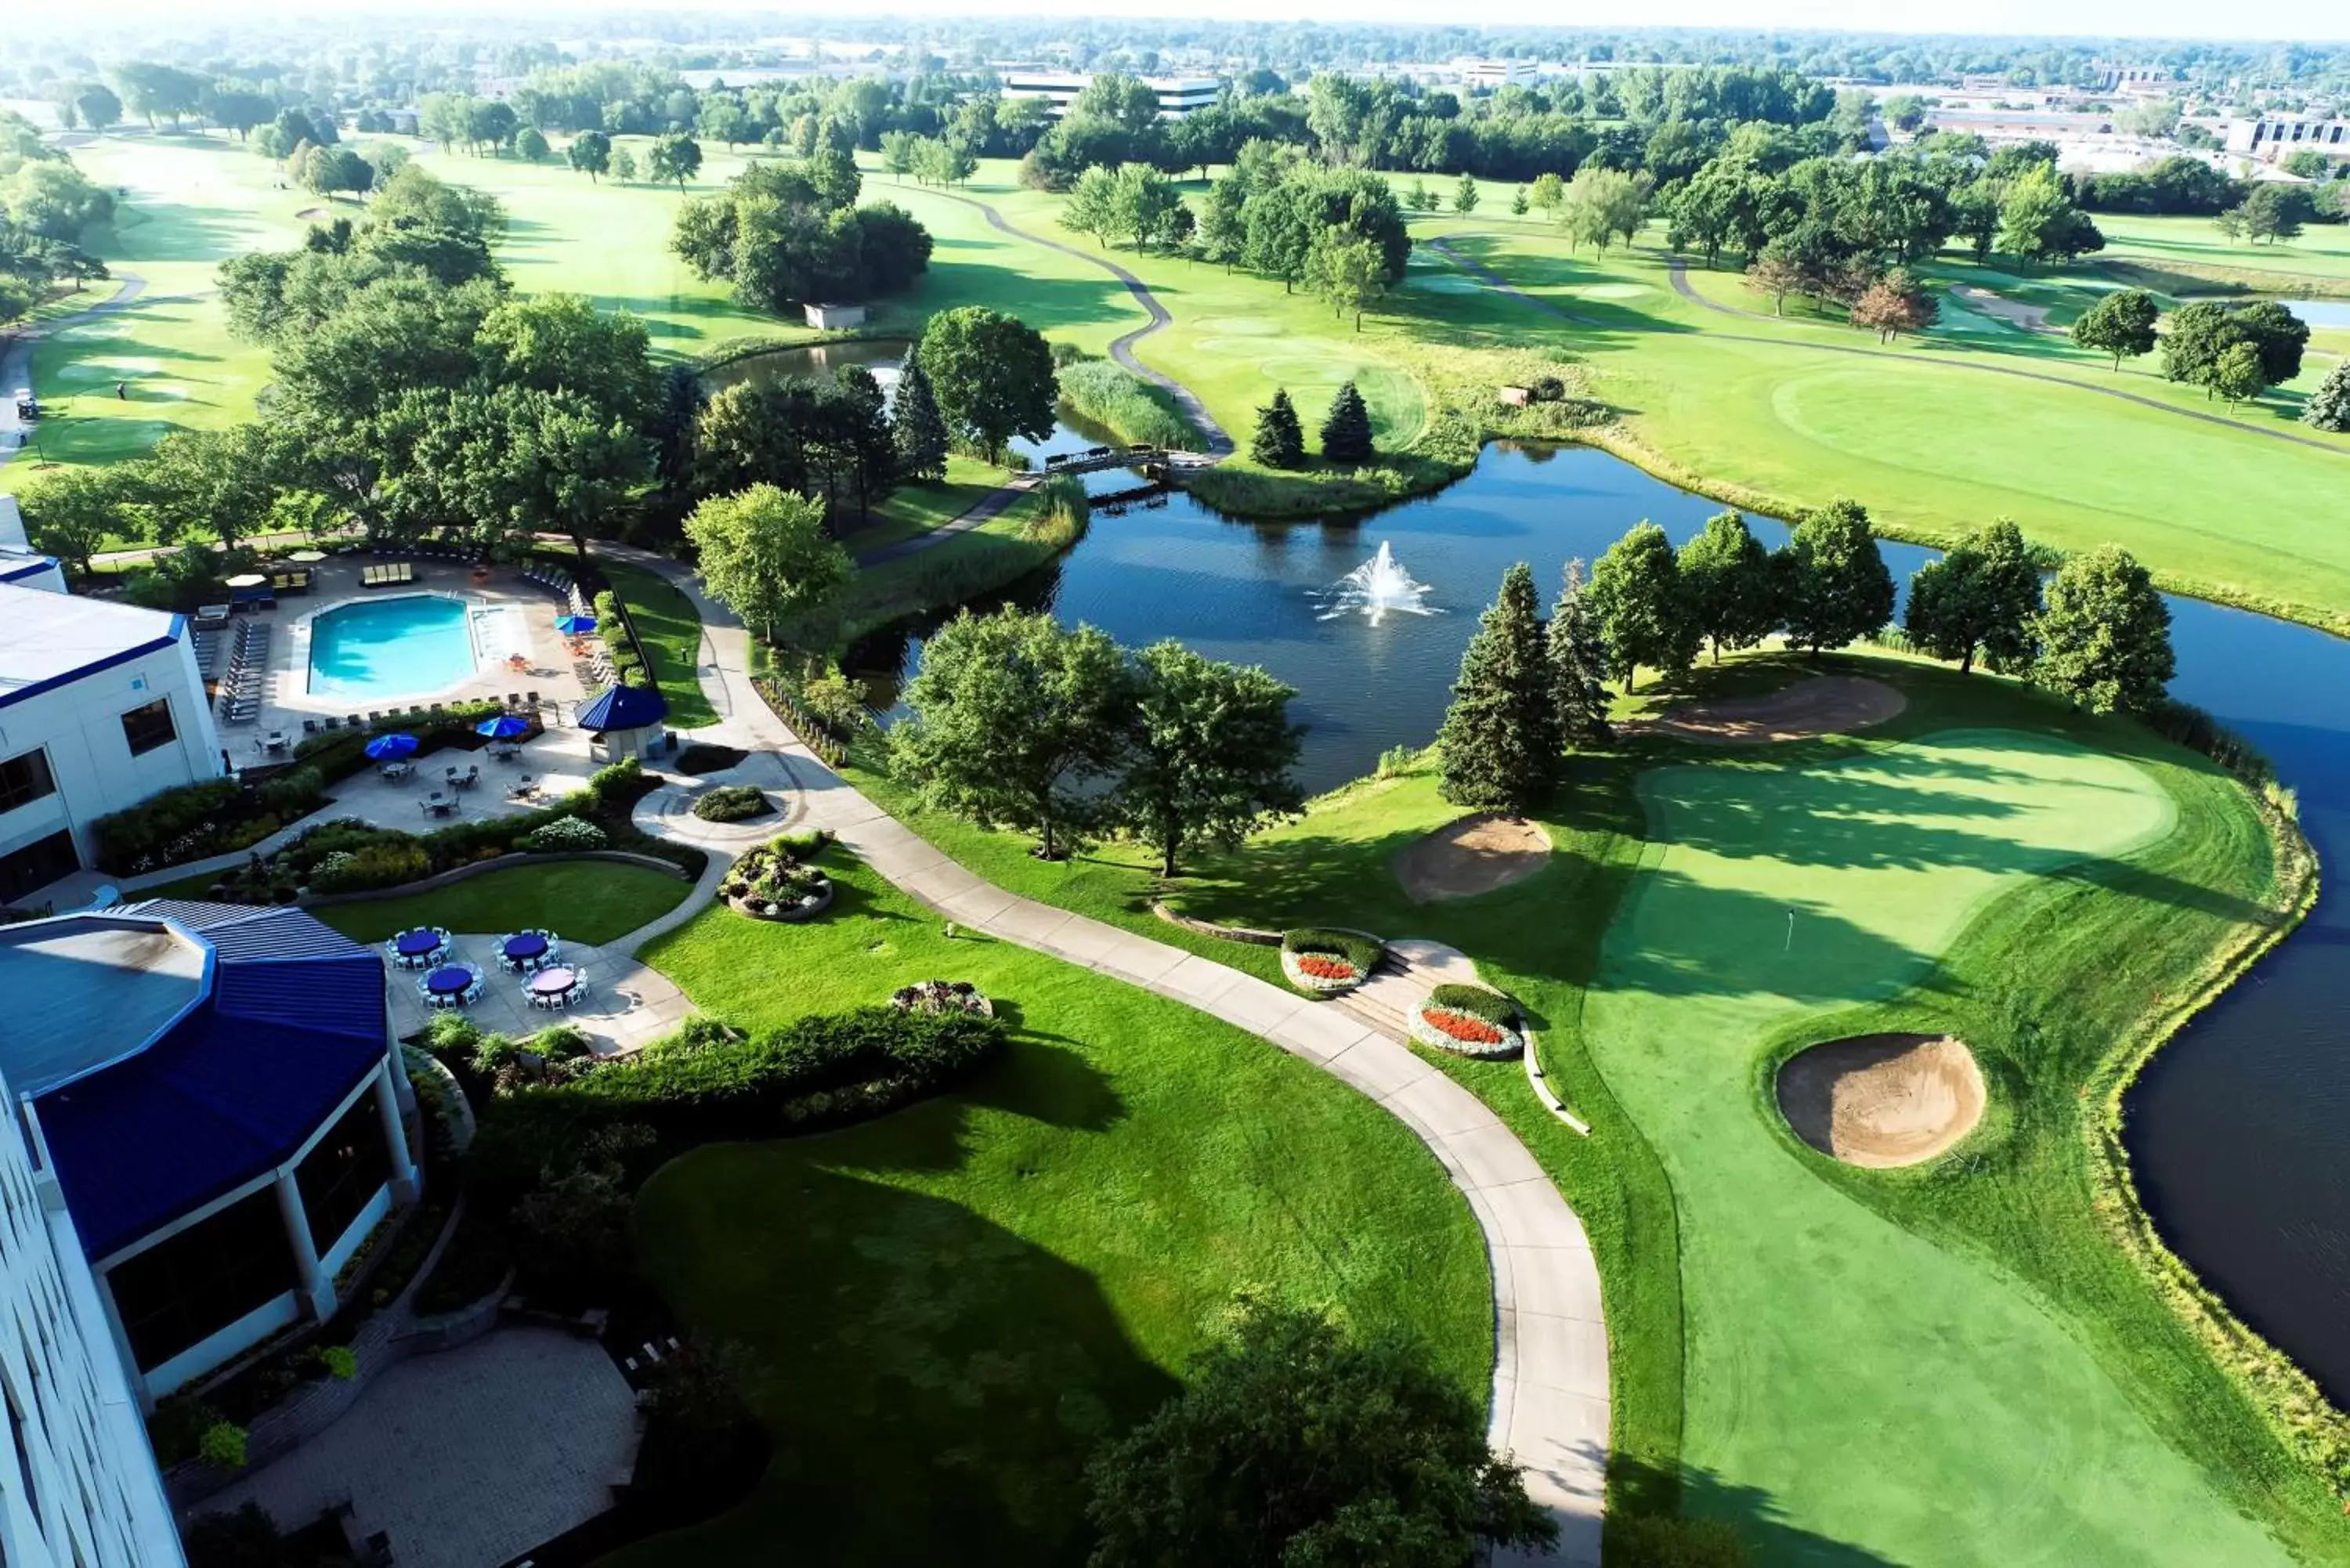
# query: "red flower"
{"points": [[1321, 966], [1463, 1026]]}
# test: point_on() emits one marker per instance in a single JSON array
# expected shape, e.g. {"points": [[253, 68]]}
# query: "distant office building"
{"points": [[1485, 74], [78, 1486], [2136, 81], [101, 705], [1178, 96], [2272, 137]]}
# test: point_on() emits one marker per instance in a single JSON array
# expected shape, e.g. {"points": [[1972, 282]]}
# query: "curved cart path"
{"points": [[1550, 1398], [1677, 270], [1220, 442], [16, 359]]}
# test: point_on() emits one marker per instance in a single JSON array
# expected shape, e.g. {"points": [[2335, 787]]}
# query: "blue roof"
{"points": [[293, 1020], [622, 708]]}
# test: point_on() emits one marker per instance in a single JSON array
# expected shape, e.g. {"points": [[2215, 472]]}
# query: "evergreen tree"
{"points": [[1979, 598], [1499, 746], [1347, 433], [2105, 637], [2329, 407], [916, 425], [1578, 665], [1833, 582], [1643, 611], [1464, 195], [1280, 440], [1732, 592]]}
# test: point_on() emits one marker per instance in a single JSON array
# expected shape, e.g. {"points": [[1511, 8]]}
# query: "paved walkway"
{"points": [[1550, 1398], [17, 358]]}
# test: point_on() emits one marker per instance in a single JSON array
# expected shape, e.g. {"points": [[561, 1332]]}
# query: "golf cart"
{"points": [[29, 407]]}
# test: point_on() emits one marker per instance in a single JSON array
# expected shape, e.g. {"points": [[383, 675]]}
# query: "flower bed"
{"points": [[773, 881], [1469, 1020], [1327, 962], [942, 996]]}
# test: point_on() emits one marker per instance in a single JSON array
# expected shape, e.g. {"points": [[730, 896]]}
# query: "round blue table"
{"points": [[522, 949], [416, 943], [449, 981]]}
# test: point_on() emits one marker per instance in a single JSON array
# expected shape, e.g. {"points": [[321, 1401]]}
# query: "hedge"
{"points": [[1477, 1002], [1364, 952], [732, 803]]}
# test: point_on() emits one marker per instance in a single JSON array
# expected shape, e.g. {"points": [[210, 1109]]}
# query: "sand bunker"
{"points": [[1882, 1100], [1819, 705], [1472, 856], [2031, 318], [309, 213]]}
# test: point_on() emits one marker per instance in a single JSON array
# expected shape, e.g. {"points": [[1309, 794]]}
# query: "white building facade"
{"points": [[2272, 137], [78, 1486], [101, 705], [1178, 96]]}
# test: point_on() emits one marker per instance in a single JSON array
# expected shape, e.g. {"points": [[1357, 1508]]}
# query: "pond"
{"points": [[2240, 1129], [2320, 312]]}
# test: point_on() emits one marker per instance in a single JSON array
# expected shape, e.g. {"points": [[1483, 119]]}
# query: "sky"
{"points": [[2276, 20]]}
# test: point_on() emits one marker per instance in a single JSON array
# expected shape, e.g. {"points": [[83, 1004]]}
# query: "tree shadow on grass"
{"points": [[933, 1383], [1694, 1492]]}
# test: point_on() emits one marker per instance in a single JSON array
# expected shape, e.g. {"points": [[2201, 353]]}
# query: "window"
{"points": [[344, 1173], [38, 864], [182, 1291], [149, 727], [26, 779]]}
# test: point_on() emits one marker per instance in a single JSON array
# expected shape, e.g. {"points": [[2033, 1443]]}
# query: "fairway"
{"points": [[1857, 1382]]}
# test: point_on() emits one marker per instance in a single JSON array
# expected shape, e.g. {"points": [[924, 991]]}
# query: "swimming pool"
{"points": [[410, 644]]}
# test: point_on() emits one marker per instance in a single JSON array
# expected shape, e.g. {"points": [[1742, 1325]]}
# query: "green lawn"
{"points": [[948, 1309], [670, 632], [590, 901], [914, 509], [1988, 864], [2322, 252]]}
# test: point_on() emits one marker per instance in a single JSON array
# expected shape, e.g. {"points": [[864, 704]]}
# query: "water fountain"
{"points": [[1377, 586]]}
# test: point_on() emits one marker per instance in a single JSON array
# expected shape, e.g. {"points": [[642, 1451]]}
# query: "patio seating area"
{"points": [[399, 792], [617, 1002]]}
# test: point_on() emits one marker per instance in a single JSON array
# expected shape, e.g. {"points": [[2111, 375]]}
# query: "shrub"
{"points": [[1396, 762], [1546, 390], [565, 833], [835, 704], [701, 757], [451, 1034], [222, 1443], [1362, 952], [292, 793], [732, 803], [166, 828], [340, 1362], [381, 864], [1477, 1002]]}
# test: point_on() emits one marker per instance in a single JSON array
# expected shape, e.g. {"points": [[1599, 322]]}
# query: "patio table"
{"points": [[525, 948], [553, 984], [416, 944], [449, 979]]}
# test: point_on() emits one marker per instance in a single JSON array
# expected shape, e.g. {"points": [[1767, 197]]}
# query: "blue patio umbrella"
{"points": [[385, 748], [505, 727], [575, 625]]}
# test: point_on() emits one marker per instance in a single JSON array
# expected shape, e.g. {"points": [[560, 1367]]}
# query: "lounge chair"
{"points": [[310, 727]]}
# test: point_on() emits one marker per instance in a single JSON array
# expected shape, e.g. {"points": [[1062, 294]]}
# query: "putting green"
{"points": [[1863, 1387]]}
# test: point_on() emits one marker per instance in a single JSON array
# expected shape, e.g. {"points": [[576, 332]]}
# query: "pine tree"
{"points": [[1347, 433], [1280, 440], [2329, 406], [1498, 744], [1578, 665], [916, 425]]}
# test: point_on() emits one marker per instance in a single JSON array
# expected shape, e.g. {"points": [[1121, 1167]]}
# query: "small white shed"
{"points": [[831, 317]]}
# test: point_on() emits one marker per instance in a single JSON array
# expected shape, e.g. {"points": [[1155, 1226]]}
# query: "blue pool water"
{"points": [[380, 648]]}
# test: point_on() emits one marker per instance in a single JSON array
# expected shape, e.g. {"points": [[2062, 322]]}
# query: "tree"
{"points": [[765, 554], [1464, 195], [1979, 598], [916, 426], [2038, 222], [899, 152], [1210, 752], [1092, 206], [561, 342], [1145, 202], [1602, 203], [222, 483], [674, 157], [1293, 1444], [2328, 408], [1347, 428], [2104, 636], [1833, 582], [530, 144], [1578, 664], [1727, 583], [624, 165], [2200, 335], [1013, 718], [992, 374], [590, 152], [1777, 273], [1280, 439], [2237, 376], [69, 513], [833, 172], [1547, 191], [1895, 304], [1519, 203], [1498, 744], [1346, 270], [2121, 324], [97, 106], [1642, 608]]}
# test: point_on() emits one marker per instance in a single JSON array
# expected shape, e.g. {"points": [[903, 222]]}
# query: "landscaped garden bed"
{"points": [[1328, 964], [732, 802], [1469, 1020], [942, 996], [775, 881]]}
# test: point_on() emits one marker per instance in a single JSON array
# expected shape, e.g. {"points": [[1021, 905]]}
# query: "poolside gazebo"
{"points": [[624, 722]]}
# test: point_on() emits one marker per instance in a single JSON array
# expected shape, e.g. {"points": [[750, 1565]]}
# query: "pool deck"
{"points": [[285, 698]]}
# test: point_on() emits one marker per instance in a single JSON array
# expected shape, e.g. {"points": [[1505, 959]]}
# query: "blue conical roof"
{"points": [[622, 708]]}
